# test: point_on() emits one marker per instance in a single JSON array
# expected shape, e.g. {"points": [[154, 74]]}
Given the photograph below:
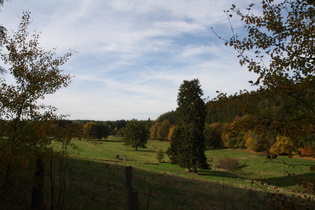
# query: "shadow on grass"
{"points": [[242, 166], [217, 174], [99, 185], [145, 150], [106, 140], [286, 181]]}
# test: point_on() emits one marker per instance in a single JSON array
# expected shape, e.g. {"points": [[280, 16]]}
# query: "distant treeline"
{"points": [[259, 120]]}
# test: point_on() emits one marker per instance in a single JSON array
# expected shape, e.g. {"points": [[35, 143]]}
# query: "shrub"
{"points": [[307, 149], [232, 138], [229, 164], [159, 155], [283, 145], [259, 140]]}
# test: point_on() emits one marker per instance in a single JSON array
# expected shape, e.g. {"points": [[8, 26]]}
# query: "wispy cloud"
{"points": [[133, 55]]}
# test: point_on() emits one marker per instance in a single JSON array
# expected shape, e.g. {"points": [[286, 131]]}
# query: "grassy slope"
{"points": [[96, 179], [102, 187]]}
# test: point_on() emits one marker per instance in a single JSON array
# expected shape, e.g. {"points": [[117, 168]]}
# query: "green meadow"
{"points": [[95, 179]]}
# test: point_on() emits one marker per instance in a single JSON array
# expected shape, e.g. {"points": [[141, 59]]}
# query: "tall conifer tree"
{"points": [[188, 146]]}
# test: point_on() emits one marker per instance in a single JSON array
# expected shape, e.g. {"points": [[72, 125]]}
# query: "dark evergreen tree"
{"points": [[188, 145]]}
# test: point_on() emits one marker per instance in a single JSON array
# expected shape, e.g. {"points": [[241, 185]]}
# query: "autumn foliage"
{"points": [[27, 127]]}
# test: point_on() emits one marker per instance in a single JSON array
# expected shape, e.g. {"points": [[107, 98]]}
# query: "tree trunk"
{"points": [[195, 171], [6, 177], [37, 202]]}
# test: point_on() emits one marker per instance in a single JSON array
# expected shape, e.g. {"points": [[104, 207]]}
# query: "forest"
{"points": [[249, 120]]}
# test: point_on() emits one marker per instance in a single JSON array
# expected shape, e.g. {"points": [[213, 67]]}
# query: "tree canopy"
{"points": [[95, 130], [27, 127], [36, 73], [136, 134], [279, 46]]}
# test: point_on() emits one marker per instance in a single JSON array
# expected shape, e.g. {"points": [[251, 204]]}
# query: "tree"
{"points": [[96, 130], [2, 28], [154, 130], [170, 132], [159, 155], [121, 132], [283, 145], [212, 134], [279, 46], [187, 148], [170, 116], [159, 130], [27, 126], [136, 134], [164, 129]]}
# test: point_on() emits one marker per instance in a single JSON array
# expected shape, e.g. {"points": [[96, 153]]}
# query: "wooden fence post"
{"points": [[37, 200], [132, 199]]}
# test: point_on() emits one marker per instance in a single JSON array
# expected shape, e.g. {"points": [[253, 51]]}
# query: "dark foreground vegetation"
{"points": [[92, 177], [99, 185]]}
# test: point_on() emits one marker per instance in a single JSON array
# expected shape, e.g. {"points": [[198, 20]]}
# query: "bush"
{"points": [[159, 155], [259, 140], [232, 138], [283, 145], [229, 164], [307, 149]]}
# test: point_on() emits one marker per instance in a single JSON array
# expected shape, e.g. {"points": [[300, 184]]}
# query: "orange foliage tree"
{"points": [[27, 127], [278, 45]]}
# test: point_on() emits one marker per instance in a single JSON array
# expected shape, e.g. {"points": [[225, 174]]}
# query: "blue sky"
{"points": [[133, 54]]}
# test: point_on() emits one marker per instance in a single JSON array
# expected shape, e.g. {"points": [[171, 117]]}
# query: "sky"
{"points": [[132, 55]]}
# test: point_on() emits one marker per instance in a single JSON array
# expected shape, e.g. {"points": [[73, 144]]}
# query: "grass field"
{"points": [[96, 178]]}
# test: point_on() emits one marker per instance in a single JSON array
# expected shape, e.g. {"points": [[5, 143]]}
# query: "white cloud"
{"points": [[196, 50], [133, 55]]}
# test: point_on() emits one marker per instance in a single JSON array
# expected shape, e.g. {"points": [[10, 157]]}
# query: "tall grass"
{"points": [[251, 165], [99, 185], [95, 179]]}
